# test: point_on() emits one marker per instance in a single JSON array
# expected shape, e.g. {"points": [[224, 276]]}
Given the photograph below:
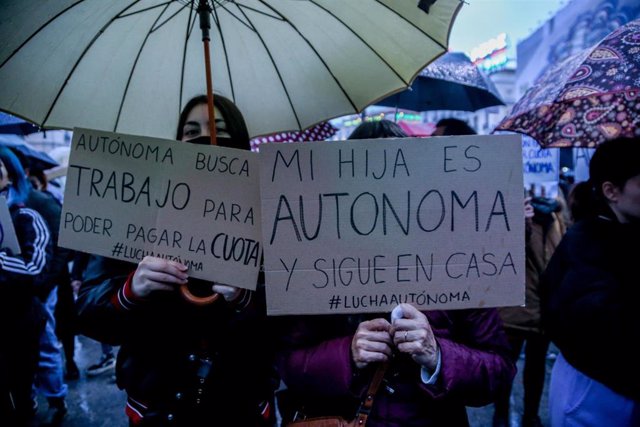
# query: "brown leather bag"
{"points": [[361, 415], [323, 422]]}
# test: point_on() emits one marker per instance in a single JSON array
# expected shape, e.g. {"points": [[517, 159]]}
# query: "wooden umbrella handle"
{"points": [[205, 25], [196, 300]]}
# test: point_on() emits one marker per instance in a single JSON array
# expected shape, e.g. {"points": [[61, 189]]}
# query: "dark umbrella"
{"points": [[16, 126], [587, 98], [36, 159], [450, 83]]}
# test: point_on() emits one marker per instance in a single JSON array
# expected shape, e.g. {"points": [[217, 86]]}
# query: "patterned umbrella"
{"points": [[319, 132], [451, 82], [586, 99]]}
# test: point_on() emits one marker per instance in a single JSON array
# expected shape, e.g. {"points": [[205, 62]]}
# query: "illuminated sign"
{"points": [[491, 55]]}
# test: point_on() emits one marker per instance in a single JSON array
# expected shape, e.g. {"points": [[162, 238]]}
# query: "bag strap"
{"points": [[365, 407]]}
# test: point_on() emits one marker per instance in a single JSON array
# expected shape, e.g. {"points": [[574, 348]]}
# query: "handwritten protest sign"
{"points": [[361, 226], [8, 239], [129, 196], [541, 168], [581, 159]]}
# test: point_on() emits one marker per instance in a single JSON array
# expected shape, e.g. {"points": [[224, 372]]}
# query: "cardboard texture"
{"points": [[8, 239], [361, 226], [129, 196]]}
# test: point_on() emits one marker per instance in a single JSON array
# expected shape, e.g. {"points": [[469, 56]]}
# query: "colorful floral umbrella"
{"points": [[319, 132], [586, 99]]}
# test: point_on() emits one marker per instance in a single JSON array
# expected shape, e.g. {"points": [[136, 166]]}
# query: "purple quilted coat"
{"points": [[316, 366]]}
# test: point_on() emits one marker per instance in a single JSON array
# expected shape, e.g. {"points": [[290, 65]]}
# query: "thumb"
{"points": [[410, 312]]}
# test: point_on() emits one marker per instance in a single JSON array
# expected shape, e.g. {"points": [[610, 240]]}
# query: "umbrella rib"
{"points": [[84, 52], [184, 54], [414, 25], [170, 17], [253, 9], [232, 14], [320, 58], [192, 24], [216, 19], [53, 18], [363, 41], [264, 44], [135, 63], [144, 9]]}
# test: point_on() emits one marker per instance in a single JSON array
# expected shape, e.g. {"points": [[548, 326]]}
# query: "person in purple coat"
{"points": [[439, 361]]}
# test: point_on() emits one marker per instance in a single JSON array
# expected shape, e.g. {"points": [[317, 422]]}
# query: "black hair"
{"points": [[19, 182], [236, 126], [615, 161], [455, 127], [580, 201], [378, 129]]}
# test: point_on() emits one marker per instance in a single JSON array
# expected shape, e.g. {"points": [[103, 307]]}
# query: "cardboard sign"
{"points": [[361, 226], [130, 196], [581, 159], [8, 239], [541, 168]]}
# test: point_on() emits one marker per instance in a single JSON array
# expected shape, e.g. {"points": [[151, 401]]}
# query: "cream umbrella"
{"points": [[129, 66]]}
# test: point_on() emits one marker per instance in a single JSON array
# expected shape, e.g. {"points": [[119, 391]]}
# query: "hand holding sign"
{"points": [[412, 334], [157, 275], [371, 343], [229, 293]]}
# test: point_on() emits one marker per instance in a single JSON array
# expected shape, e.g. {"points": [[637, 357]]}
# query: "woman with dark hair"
{"points": [[581, 204], [22, 316], [590, 295], [182, 364], [451, 126], [378, 129], [231, 130], [439, 361]]}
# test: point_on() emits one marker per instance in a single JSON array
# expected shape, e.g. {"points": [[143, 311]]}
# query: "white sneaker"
{"points": [[106, 363]]}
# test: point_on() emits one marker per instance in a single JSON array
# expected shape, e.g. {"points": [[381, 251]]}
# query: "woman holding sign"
{"points": [[22, 315], [183, 364], [438, 361]]}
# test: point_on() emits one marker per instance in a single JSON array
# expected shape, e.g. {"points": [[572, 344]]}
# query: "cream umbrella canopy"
{"points": [[129, 66]]}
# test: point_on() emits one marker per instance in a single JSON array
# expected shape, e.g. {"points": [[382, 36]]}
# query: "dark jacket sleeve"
{"points": [[57, 271], [101, 315], [80, 262], [35, 247], [476, 365]]}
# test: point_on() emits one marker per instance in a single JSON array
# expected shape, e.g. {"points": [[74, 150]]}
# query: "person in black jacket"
{"points": [[183, 364], [50, 206], [22, 315], [49, 379], [590, 293]]}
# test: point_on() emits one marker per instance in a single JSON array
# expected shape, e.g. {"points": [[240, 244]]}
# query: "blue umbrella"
{"points": [[14, 125], [450, 83], [36, 159]]}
